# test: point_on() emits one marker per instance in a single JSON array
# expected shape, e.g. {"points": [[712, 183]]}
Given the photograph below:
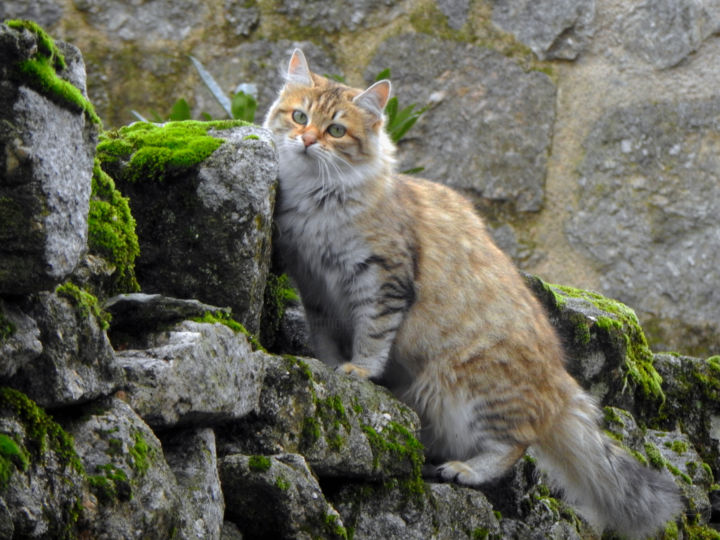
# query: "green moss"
{"points": [[654, 456], [333, 526], [396, 443], [111, 231], [282, 484], [671, 531], [279, 294], [331, 413], [480, 533], [140, 454], [679, 447], [111, 485], [621, 323], [219, 317], [86, 304], [7, 328], [259, 463], [152, 152], [310, 433], [292, 363], [12, 457], [42, 434], [251, 137], [41, 72]]}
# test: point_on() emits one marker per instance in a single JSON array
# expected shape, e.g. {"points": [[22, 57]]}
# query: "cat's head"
{"points": [[327, 132]]}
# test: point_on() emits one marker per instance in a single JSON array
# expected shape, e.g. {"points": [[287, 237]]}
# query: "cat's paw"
{"points": [[458, 472], [356, 371]]}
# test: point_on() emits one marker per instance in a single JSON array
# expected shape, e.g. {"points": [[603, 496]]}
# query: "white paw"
{"points": [[356, 371], [459, 472]]}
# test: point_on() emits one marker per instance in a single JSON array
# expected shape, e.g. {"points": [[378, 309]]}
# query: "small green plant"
{"points": [[399, 121], [240, 106]]}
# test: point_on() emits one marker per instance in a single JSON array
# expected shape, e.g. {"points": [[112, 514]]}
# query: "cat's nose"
{"points": [[309, 138]]}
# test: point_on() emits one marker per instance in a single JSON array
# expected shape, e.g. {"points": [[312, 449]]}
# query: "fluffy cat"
{"points": [[402, 284]]}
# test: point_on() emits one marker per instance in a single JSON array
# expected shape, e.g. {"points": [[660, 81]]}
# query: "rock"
{"points": [[190, 453], [553, 30], [606, 349], [277, 497], [44, 12], [135, 491], [692, 388], [47, 166], [654, 234], [335, 15], [666, 32], [343, 426], [441, 511], [210, 200], [193, 374], [41, 476], [489, 125], [456, 12], [76, 362], [19, 339]]}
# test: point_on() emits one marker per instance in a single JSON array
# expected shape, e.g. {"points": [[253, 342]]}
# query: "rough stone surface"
{"points": [[44, 12], [76, 363], [190, 453], [259, 489], [336, 14], [344, 427], [45, 181], [22, 345], [666, 32], [651, 229], [215, 223], [502, 117], [193, 373], [550, 28], [456, 12], [136, 491]]}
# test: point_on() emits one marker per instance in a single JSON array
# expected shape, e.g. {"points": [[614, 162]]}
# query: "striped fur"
{"points": [[402, 284]]}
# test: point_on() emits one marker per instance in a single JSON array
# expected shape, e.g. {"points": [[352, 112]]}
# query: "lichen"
{"points": [[144, 151], [85, 303], [111, 231], [41, 72]]}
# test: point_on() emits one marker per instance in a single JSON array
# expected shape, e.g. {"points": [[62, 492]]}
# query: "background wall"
{"points": [[588, 132]]}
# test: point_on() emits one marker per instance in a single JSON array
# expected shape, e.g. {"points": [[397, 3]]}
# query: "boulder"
{"points": [[277, 497], [208, 191], [46, 166], [63, 354], [489, 125], [193, 374]]}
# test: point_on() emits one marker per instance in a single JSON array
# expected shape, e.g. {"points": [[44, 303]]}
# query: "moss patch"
{"points": [[395, 442], [145, 151], [232, 324], [41, 72], [7, 328], [259, 463], [279, 294], [12, 457], [85, 303], [111, 231]]}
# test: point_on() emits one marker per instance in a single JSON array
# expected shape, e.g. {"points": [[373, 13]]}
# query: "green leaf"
{"points": [[180, 111], [384, 74], [213, 86], [243, 107]]}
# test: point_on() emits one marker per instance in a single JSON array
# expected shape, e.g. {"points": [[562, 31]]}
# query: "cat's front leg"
{"points": [[377, 320]]}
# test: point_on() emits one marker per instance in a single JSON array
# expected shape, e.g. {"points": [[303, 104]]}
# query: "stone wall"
{"points": [[586, 130], [143, 415]]}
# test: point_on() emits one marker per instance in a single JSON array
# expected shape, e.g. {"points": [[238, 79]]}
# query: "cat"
{"points": [[402, 285]]}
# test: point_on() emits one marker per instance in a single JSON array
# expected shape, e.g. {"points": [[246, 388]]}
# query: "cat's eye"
{"points": [[299, 117], [336, 130]]}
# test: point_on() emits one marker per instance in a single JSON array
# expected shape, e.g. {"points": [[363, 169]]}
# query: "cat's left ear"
{"points": [[298, 70], [374, 98]]}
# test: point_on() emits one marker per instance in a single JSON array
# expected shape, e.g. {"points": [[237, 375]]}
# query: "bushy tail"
{"points": [[607, 486]]}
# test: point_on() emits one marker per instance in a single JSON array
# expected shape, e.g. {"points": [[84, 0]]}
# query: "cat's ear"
{"points": [[298, 70], [374, 98]]}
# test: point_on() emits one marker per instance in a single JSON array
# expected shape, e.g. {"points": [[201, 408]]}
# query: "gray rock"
{"points": [[215, 224], [164, 19], [699, 415], [230, 531], [456, 11], [44, 12], [277, 497], [336, 14], [552, 29], [190, 453], [490, 123], [76, 363], [47, 169], [135, 491], [442, 511], [20, 340], [42, 478], [243, 19], [343, 426], [666, 32], [193, 373], [649, 195]]}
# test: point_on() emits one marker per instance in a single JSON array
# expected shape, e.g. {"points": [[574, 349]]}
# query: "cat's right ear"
{"points": [[298, 70]]}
